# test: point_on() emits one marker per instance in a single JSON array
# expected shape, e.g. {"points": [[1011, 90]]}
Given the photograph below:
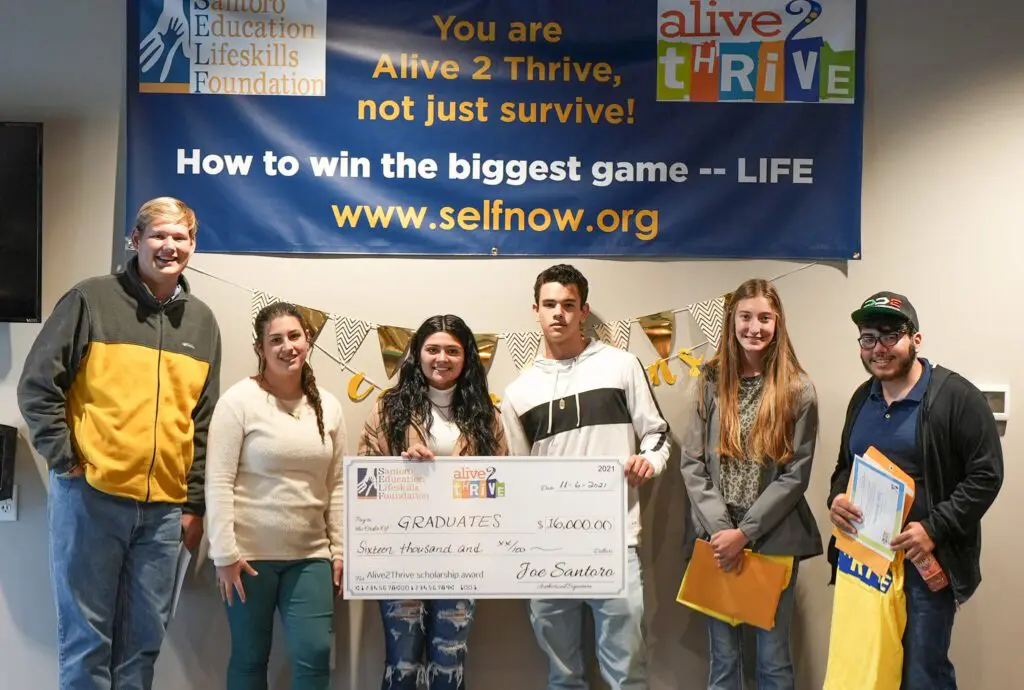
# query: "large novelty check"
{"points": [[499, 528]]}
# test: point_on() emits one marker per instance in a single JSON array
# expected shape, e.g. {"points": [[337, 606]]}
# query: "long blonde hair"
{"points": [[772, 434]]}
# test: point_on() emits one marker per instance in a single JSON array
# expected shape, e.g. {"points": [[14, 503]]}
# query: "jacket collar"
{"points": [[141, 291]]}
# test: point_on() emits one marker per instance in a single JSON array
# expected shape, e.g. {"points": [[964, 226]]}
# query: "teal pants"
{"points": [[304, 594]]}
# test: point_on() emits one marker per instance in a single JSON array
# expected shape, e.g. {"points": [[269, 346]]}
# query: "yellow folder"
{"points": [[878, 564], [750, 596]]}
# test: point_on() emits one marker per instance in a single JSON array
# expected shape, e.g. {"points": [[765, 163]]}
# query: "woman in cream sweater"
{"points": [[274, 506]]}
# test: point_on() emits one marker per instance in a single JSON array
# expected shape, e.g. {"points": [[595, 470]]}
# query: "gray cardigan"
{"points": [[780, 521]]}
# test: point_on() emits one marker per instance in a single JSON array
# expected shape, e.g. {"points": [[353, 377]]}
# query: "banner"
{"points": [[649, 128]]}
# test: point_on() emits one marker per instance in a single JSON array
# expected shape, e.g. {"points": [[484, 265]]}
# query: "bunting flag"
{"points": [[350, 334], [259, 300], [658, 328], [709, 315], [315, 321], [487, 344], [394, 341], [314, 318], [523, 347], [615, 333]]}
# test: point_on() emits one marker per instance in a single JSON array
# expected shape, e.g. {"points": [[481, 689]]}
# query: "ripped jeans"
{"points": [[437, 629]]}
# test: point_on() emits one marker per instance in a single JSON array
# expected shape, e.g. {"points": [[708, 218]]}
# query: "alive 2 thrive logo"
{"points": [[758, 51], [476, 482]]}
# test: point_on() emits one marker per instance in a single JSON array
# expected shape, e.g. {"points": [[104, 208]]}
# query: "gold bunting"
{"points": [[353, 388], [660, 367], [687, 358], [394, 341], [487, 344], [315, 319], [658, 328]]}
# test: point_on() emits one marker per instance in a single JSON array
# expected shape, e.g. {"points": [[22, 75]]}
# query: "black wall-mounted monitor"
{"points": [[21, 221]]}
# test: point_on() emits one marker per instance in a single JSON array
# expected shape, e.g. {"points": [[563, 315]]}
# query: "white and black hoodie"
{"points": [[595, 404]]}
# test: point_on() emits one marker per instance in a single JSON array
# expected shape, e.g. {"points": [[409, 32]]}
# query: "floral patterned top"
{"points": [[742, 478]]}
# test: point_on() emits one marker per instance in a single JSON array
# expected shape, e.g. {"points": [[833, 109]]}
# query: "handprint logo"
{"points": [[172, 28], [366, 482]]}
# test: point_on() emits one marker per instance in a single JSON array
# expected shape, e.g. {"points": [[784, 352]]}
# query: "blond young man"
{"points": [[117, 392]]}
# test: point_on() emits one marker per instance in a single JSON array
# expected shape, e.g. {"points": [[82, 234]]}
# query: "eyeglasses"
{"points": [[868, 341]]}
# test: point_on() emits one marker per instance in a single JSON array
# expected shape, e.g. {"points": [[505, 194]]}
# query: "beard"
{"points": [[904, 365]]}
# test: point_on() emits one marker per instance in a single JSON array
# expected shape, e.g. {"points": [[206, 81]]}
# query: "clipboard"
{"points": [[752, 596], [878, 564]]}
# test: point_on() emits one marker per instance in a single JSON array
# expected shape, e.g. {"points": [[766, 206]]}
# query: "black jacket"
{"points": [[963, 471]]}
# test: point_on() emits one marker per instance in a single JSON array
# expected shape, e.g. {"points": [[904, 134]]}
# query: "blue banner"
{"points": [[648, 128]]}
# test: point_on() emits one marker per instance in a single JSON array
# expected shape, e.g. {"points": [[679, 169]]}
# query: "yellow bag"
{"points": [[869, 615]]}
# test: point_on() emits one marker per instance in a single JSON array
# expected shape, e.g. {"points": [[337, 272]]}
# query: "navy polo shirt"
{"points": [[892, 429]]}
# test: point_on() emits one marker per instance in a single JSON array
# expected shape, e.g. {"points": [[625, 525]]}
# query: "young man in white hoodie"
{"points": [[584, 398]]}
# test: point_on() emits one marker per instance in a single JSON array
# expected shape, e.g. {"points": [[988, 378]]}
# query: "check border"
{"points": [[622, 488]]}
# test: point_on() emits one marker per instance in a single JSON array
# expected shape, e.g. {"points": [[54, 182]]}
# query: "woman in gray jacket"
{"points": [[746, 459]]}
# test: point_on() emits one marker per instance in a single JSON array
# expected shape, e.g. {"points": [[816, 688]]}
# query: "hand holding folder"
{"points": [[749, 596], [853, 545]]}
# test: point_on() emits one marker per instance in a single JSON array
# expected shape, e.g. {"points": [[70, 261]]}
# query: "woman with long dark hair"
{"points": [[746, 461], [440, 407], [274, 506]]}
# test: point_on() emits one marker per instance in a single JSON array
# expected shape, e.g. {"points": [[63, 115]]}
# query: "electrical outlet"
{"points": [[9, 508]]}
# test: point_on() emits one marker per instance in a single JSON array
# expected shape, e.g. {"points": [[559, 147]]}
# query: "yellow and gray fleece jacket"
{"points": [[125, 386]]}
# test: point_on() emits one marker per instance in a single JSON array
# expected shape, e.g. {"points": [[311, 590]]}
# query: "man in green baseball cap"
{"points": [[938, 428]]}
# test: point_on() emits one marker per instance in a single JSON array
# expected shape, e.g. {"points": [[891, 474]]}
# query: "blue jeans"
{"points": [[437, 629], [112, 563], [926, 664], [774, 657], [619, 627], [304, 594]]}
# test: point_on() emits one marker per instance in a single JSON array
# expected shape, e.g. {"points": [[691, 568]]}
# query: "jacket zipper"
{"points": [[156, 414]]}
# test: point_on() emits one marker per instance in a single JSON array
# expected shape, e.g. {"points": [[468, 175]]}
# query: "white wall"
{"points": [[942, 223]]}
